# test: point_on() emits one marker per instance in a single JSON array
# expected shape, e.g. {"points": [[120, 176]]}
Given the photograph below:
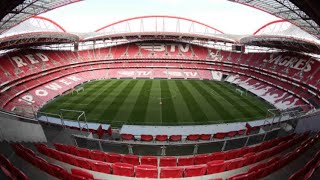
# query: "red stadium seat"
{"points": [[82, 173], [186, 161], [123, 169], [55, 154], [220, 135], [205, 137], [101, 167], [201, 159], [175, 138], [232, 133], [243, 151], [42, 148], [67, 158], [84, 153], [199, 170], [216, 166], [77, 177], [248, 159], [241, 132], [218, 156], [131, 159], [145, 137], [257, 167], [4, 160], [171, 172], [83, 163], [149, 160], [127, 137], [235, 164], [168, 161], [146, 171], [6, 172], [113, 157], [57, 171], [242, 176], [61, 147], [161, 137], [193, 137], [232, 154], [262, 155], [73, 150], [98, 155], [19, 174]]}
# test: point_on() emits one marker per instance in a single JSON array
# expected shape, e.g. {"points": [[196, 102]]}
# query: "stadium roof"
{"points": [[13, 12], [297, 30], [303, 13]]}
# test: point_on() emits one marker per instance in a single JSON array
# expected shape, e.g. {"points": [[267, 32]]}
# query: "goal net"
{"points": [[241, 92]]}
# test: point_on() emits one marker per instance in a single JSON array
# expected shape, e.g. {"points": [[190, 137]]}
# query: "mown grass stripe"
{"points": [[138, 114], [182, 112], [89, 92], [194, 108], [215, 104], [169, 114], [99, 100], [260, 110], [111, 111], [236, 105]]}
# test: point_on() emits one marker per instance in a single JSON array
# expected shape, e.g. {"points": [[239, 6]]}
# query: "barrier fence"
{"points": [[174, 148]]}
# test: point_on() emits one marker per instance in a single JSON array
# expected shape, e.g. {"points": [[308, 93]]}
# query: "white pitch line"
{"points": [[73, 104]]}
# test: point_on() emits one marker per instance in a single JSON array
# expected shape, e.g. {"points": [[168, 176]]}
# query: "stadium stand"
{"points": [[54, 81], [292, 148]]}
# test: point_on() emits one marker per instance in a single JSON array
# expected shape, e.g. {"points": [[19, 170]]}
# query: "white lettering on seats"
{"points": [[214, 56], [42, 57], [53, 86], [143, 73], [190, 74], [65, 82], [157, 47], [41, 92], [31, 58], [172, 73], [27, 98], [289, 61], [184, 49], [18, 60], [74, 78], [126, 73]]}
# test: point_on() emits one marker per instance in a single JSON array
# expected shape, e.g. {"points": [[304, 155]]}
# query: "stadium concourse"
{"points": [[188, 101]]}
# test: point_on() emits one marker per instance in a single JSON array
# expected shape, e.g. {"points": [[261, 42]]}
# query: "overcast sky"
{"points": [[89, 15]]}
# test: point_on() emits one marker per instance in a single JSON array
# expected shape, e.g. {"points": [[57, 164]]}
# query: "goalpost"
{"points": [[241, 92], [77, 90]]}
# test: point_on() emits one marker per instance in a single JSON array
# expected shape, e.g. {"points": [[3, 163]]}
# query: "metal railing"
{"points": [[174, 148]]}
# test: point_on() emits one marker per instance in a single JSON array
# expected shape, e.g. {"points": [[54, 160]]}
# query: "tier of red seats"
{"points": [[211, 164], [58, 58], [307, 170], [50, 168], [55, 63], [249, 155], [264, 169], [10, 170], [191, 137]]}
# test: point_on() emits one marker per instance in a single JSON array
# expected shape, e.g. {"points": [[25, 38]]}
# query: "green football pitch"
{"points": [[160, 102]]}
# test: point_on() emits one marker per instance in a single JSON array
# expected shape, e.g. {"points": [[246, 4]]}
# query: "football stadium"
{"points": [[213, 89]]}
